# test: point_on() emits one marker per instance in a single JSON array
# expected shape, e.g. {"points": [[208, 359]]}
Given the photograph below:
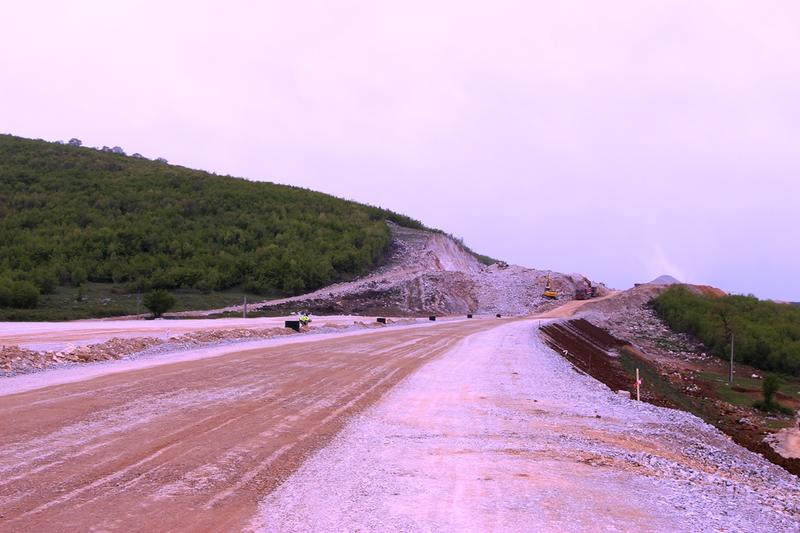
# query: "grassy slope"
{"points": [[767, 334], [82, 221]]}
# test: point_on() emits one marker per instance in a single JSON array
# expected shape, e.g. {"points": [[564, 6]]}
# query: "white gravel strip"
{"points": [[57, 335], [165, 355], [501, 434]]}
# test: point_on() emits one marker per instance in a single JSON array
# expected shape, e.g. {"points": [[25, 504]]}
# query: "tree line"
{"points": [[766, 334], [70, 214]]}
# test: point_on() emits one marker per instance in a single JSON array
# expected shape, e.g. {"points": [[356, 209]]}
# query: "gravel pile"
{"points": [[15, 360], [502, 434]]}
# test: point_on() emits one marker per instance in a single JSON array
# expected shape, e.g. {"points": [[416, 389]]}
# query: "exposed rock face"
{"points": [[430, 273]]}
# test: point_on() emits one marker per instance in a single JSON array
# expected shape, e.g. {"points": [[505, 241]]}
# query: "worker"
{"points": [[304, 318]]}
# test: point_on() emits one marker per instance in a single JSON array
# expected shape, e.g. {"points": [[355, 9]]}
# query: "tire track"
{"points": [[193, 445]]}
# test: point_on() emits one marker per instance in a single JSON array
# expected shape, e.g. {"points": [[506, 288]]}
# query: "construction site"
{"points": [[435, 394]]}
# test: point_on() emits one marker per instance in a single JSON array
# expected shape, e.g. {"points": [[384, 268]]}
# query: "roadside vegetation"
{"points": [[98, 300], [159, 302], [766, 334], [770, 385], [72, 216]]}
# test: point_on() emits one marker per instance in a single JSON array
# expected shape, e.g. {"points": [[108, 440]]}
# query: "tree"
{"points": [[770, 386], [118, 150], [24, 295], [162, 160], [158, 302], [75, 142]]}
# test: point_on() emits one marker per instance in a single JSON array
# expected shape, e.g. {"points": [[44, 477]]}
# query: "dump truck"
{"points": [[585, 293]]}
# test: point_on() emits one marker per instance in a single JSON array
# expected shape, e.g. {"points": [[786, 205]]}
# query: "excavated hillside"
{"points": [[431, 273]]}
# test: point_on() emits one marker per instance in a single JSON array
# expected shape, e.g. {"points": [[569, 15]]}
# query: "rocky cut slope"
{"points": [[431, 273]]}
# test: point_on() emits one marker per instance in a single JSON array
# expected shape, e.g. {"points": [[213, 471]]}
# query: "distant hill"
{"points": [[665, 280], [71, 215]]}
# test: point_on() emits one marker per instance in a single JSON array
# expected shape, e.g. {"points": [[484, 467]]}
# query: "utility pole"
{"points": [[730, 373], [729, 331], [244, 311]]}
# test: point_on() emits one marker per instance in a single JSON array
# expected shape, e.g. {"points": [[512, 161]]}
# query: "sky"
{"points": [[619, 139]]}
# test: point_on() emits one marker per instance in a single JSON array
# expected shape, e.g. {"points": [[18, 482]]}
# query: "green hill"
{"points": [[766, 334], [73, 219]]}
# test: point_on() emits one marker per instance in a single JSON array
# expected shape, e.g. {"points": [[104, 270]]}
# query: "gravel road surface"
{"points": [[193, 445], [501, 434]]}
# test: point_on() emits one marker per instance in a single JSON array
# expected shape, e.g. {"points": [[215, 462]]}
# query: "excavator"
{"points": [[549, 292]]}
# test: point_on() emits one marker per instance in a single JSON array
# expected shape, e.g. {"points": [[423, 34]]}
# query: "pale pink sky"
{"points": [[619, 139]]}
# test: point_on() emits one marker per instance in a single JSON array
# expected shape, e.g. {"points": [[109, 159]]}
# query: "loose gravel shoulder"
{"points": [[502, 434]]}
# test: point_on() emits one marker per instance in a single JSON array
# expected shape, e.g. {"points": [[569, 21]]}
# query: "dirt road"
{"points": [[501, 434], [571, 307], [193, 445], [492, 431]]}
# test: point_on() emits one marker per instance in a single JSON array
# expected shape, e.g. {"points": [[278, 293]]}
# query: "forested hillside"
{"points": [[766, 334], [71, 215]]}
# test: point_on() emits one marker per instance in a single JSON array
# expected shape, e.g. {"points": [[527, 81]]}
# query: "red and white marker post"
{"points": [[638, 384]]}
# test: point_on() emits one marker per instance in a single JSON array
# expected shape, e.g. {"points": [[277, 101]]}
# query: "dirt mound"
{"points": [[626, 302], [16, 360], [631, 299], [708, 290]]}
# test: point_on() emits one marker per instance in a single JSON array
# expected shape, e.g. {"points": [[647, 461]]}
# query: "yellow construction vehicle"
{"points": [[549, 292]]}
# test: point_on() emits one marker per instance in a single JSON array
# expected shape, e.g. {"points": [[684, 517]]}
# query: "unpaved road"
{"points": [[571, 307], [491, 432], [192, 445], [501, 434]]}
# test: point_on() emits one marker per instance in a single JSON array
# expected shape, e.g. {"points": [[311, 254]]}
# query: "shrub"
{"points": [[158, 302], [24, 295], [5, 293], [769, 387]]}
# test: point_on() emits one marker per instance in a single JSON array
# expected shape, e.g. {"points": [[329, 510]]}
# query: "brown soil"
{"points": [[193, 445], [587, 347]]}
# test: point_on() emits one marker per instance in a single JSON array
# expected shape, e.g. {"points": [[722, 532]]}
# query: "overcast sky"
{"points": [[619, 139]]}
